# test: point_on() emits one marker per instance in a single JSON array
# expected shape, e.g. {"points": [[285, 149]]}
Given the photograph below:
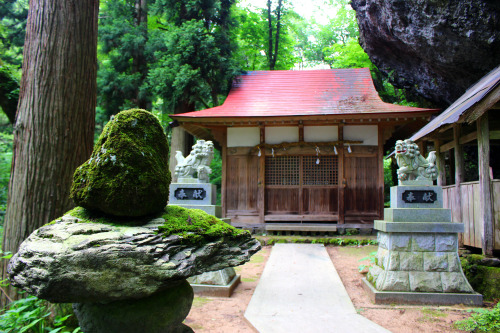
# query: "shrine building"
{"points": [[304, 148]]}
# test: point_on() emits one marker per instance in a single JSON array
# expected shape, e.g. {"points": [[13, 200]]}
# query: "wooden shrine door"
{"points": [[361, 191], [300, 189]]}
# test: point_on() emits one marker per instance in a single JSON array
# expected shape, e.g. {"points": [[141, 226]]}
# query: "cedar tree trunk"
{"points": [[54, 127]]}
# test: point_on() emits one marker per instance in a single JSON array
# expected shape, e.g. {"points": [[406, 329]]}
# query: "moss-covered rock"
{"points": [[127, 173], [483, 279]]}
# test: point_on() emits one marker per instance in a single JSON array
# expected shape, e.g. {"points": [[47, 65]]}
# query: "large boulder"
{"points": [[79, 258], [436, 49], [127, 174]]}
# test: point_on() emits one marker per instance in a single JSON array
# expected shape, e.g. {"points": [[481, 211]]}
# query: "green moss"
{"points": [[195, 224], [200, 301], [483, 279], [87, 216], [127, 173]]}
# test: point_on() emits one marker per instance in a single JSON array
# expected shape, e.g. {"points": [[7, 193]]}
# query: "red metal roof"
{"points": [[303, 92]]}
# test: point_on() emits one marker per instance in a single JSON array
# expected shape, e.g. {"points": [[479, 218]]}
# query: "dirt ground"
{"points": [[225, 315]]}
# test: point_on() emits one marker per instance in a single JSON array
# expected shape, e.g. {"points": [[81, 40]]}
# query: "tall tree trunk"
{"points": [[55, 120], [180, 140], [270, 24], [278, 28], [139, 62]]}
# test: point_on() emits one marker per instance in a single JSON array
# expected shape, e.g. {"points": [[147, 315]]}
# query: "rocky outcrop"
{"points": [[68, 261], [127, 173], [436, 49]]}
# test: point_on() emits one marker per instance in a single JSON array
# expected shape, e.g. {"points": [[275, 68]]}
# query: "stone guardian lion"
{"points": [[412, 165]]}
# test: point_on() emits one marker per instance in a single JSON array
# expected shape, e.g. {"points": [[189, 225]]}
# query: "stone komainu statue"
{"points": [[412, 165], [198, 161]]}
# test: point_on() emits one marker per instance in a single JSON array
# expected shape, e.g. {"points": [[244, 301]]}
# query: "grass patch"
{"points": [[257, 259], [200, 301], [253, 279]]}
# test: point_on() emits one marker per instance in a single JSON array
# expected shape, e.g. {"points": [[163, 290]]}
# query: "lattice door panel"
{"points": [[283, 170], [323, 173]]}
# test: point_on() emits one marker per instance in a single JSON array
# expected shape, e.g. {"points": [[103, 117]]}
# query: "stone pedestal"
{"points": [[193, 195], [417, 259], [161, 312]]}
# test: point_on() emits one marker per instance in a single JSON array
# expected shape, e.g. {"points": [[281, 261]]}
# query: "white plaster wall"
{"points": [[275, 135], [243, 136], [366, 133], [321, 133]]}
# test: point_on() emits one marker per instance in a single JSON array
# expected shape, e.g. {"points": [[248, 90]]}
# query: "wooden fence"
{"points": [[469, 194]]}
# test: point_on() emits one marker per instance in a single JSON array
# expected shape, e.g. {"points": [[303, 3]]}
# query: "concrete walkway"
{"points": [[300, 291]]}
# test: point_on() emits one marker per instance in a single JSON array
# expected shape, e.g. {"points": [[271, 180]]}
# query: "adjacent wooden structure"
{"points": [[471, 120], [303, 146]]}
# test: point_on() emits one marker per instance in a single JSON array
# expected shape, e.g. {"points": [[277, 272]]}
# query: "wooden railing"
{"points": [[469, 210]]}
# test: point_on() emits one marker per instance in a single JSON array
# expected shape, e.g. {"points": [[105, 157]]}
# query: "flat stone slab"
{"points": [[217, 290], [435, 227], [417, 215], [300, 291], [390, 297]]}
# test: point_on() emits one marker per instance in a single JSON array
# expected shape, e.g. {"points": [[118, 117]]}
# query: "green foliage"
{"points": [[33, 315], [194, 62], [252, 37], [388, 182], [339, 241], [372, 257], [481, 320], [216, 175], [123, 55]]}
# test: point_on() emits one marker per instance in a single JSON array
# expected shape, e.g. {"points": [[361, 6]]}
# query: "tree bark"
{"points": [[278, 28], [54, 127], [139, 61], [270, 25]]}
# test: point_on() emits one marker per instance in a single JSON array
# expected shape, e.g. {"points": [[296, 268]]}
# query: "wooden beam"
{"points": [[441, 180], [261, 195], [459, 167], [468, 138], [447, 146], [486, 103], [485, 202]]}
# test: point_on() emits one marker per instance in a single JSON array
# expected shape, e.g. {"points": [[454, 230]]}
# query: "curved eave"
{"points": [[392, 115]]}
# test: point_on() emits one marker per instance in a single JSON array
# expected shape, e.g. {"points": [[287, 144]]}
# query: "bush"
{"points": [[33, 315], [482, 320]]}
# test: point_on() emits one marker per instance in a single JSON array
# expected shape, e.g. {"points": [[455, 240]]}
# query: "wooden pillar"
{"points": [[441, 180], [483, 147], [224, 175], [341, 208], [381, 184], [459, 170], [261, 201]]}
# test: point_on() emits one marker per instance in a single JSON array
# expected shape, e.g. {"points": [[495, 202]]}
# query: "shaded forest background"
{"points": [[172, 56]]}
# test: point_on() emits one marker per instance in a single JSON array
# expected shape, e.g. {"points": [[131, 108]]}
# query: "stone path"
{"points": [[300, 291]]}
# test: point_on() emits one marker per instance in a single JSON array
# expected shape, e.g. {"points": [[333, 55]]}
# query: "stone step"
{"points": [[417, 215]]}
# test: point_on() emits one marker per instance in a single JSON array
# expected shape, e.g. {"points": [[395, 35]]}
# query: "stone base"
{"points": [[390, 297], [161, 312], [215, 290], [206, 194]]}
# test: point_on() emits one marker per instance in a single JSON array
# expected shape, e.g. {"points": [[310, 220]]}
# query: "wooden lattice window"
{"points": [[323, 173], [282, 170], [285, 170]]}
